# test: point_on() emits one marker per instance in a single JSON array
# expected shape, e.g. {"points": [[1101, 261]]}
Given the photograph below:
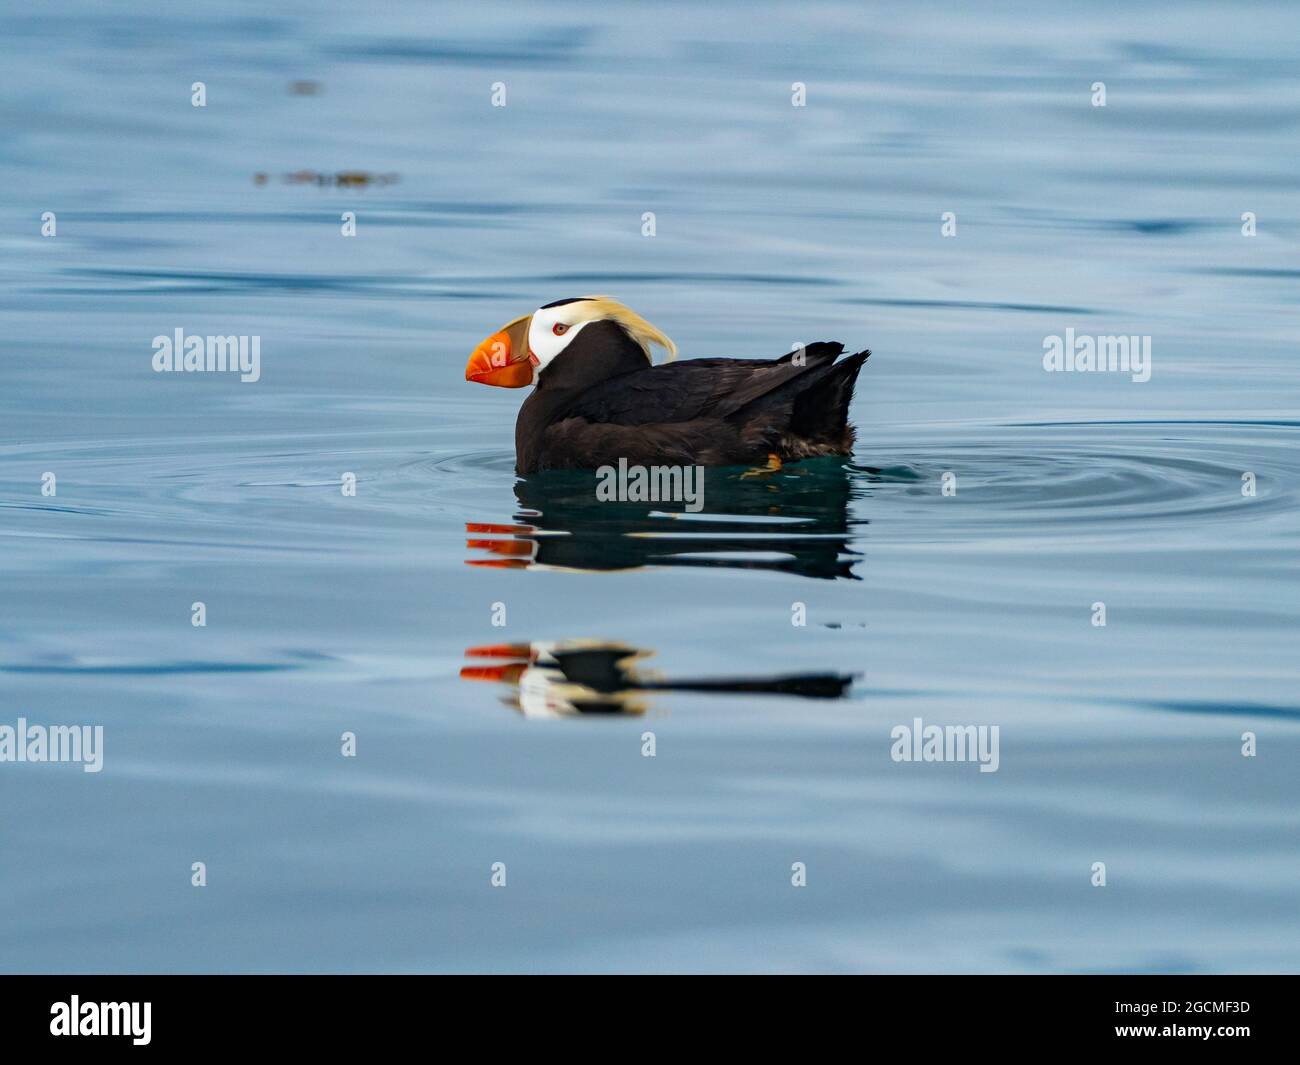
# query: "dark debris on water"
{"points": [[349, 179]]}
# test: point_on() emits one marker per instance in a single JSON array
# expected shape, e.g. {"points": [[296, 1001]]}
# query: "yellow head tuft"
{"points": [[599, 308]]}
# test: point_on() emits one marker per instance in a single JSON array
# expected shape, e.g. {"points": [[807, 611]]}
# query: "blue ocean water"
{"points": [[774, 225]]}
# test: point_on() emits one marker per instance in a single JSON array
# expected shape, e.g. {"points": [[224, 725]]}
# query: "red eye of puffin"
{"points": [[559, 329]]}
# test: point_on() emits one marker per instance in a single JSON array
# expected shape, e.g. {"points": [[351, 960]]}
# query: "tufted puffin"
{"points": [[598, 397]]}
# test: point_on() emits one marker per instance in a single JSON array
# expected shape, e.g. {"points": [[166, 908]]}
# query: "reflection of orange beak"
{"points": [[509, 548], [502, 650], [503, 358], [510, 672]]}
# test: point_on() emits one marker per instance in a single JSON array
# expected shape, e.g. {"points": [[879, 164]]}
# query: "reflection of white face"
{"points": [[537, 693], [552, 330]]}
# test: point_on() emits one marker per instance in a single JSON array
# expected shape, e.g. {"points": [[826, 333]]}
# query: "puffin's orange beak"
{"points": [[503, 358]]}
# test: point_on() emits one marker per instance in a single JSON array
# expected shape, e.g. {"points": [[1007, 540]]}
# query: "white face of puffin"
{"points": [[552, 330], [517, 353]]}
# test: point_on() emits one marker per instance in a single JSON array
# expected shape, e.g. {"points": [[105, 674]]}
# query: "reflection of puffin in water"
{"points": [[793, 520], [599, 677]]}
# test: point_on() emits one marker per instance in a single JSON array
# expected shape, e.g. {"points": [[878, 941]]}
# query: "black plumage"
{"points": [[599, 400]]}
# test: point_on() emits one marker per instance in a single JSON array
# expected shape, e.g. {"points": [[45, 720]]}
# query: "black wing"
{"points": [[693, 389]]}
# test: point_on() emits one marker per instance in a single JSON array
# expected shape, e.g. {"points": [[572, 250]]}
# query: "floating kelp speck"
{"points": [[349, 179]]}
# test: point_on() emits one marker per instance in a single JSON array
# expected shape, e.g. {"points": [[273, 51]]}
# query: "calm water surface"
{"points": [[775, 225]]}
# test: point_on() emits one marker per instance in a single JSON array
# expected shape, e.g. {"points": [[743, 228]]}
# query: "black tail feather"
{"points": [[816, 354], [821, 413]]}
